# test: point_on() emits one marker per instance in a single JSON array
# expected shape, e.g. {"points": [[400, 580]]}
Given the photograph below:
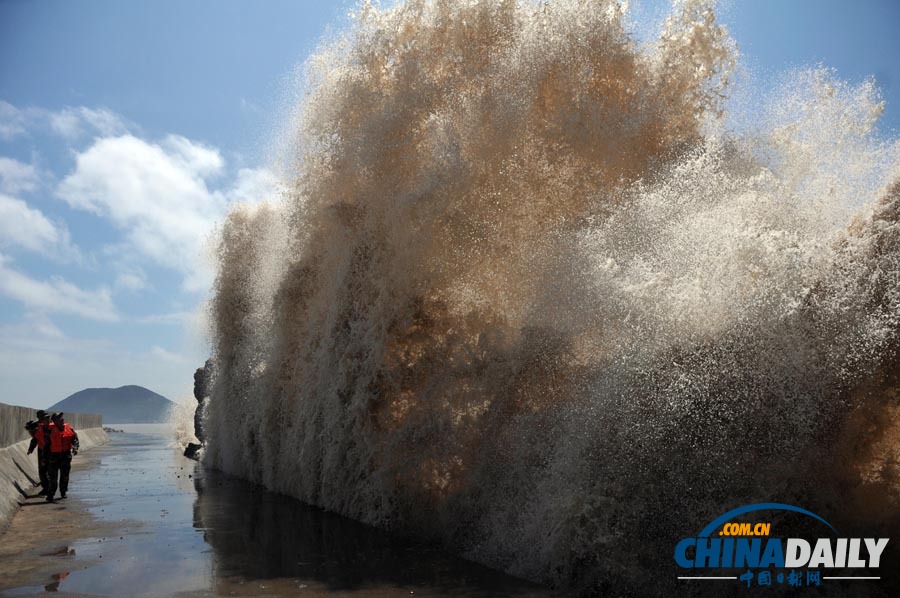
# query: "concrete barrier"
{"points": [[13, 418], [18, 470]]}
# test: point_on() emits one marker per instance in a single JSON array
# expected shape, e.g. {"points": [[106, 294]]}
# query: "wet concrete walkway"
{"points": [[141, 520]]}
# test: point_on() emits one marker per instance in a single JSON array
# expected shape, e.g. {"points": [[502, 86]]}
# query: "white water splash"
{"points": [[529, 293]]}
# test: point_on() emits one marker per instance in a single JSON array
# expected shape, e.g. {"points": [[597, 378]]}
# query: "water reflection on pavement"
{"points": [[180, 530]]}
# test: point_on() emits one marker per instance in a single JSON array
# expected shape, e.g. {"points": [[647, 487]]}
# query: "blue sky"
{"points": [[127, 128]]}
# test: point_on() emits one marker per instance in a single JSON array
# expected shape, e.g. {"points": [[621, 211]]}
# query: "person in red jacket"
{"points": [[39, 438], [63, 444]]}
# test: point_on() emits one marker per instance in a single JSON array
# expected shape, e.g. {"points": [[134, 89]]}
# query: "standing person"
{"points": [[39, 438], [63, 443]]}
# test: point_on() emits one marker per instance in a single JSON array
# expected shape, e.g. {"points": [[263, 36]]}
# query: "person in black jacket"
{"points": [[40, 438]]}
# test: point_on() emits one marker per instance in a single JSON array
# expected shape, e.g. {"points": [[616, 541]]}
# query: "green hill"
{"points": [[123, 405]]}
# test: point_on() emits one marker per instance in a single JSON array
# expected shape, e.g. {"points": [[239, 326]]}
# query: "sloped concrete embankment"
{"points": [[18, 469]]}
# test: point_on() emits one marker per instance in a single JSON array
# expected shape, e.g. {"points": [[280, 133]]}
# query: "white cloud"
{"points": [[179, 318], [71, 123], [165, 355], [196, 158], [17, 176], [158, 194], [42, 326], [163, 198], [254, 185], [33, 327], [55, 295], [66, 123], [29, 228], [12, 121], [132, 280], [166, 197]]}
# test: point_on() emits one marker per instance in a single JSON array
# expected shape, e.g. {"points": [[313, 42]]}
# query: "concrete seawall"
{"points": [[18, 470]]}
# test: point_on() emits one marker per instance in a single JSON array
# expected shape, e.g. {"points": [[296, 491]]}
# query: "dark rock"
{"points": [[202, 386], [192, 451]]}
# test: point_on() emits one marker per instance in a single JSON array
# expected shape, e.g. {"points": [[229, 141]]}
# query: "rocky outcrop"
{"points": [[202, 386]]}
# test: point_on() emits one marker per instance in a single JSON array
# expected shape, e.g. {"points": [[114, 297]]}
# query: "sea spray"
{"points": [[529, 294], [181, 419]]}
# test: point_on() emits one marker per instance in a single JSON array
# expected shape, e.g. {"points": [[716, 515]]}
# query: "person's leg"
{"points": [[65, 466], [42, 469], [52, 475]]}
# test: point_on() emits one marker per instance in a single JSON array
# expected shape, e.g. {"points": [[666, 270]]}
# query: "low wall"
{"points": [[18, 469], [13, 418]]}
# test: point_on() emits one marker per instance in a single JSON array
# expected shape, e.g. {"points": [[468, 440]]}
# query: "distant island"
{"points": [[123, 405]]}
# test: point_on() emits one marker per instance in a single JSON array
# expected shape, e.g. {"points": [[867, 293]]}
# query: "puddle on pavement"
{"points": [[186, 531]]}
